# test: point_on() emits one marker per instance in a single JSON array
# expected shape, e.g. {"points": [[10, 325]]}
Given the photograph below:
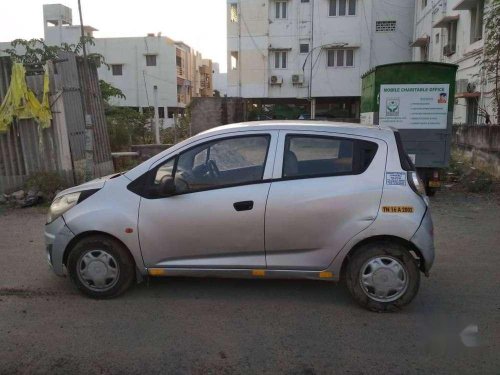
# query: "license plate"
{"points": [[435, 184]]}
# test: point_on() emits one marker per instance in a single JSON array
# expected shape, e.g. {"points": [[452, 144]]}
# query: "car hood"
{"points": [[98, 183]]}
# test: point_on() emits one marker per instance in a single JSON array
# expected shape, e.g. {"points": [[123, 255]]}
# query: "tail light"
{"points": [[416, 183]]}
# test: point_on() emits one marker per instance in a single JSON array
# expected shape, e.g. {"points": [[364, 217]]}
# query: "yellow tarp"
{"points": [[22, 103]]}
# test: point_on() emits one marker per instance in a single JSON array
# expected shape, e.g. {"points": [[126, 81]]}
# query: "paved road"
{"points": [[256, 326]]}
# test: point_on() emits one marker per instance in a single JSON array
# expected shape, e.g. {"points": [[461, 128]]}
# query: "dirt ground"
{"points": [[210, 326]]}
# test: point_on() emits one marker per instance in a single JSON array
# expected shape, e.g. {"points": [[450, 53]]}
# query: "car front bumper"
{"points": [[57, 237], [423, 239]]}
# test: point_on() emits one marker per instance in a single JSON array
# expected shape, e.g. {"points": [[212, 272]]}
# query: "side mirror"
{"points": [[167, 186]]}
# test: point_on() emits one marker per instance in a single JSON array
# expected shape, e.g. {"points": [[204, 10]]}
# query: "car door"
{"points": [[216, 217], [327, 188]]}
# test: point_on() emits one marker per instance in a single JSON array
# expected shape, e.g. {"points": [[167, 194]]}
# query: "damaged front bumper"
{"points": [[57, 238]]}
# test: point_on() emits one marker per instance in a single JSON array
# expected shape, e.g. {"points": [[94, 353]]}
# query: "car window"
{"points": [[308, 156], [200, 158], [165, 170], [221, 163]]}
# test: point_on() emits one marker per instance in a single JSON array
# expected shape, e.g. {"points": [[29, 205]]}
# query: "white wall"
{"points": [[261, 33], [219, 80], [138, 79], [466, 54]]}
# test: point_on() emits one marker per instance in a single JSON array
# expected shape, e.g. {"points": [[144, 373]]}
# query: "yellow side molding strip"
{"points": [[258, 273], [157, 272], [325, 275]]}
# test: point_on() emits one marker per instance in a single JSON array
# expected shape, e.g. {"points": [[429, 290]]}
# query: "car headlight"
{"points": [[62, 204]]}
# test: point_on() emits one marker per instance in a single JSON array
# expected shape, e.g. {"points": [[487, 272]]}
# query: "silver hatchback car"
{"points": [[281, 199]]}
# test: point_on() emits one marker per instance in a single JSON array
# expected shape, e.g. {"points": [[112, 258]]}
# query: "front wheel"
{"points": [[383, 276], [101, 267]]}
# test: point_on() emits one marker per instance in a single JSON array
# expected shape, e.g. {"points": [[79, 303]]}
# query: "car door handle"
{"points": [[243, 206]]}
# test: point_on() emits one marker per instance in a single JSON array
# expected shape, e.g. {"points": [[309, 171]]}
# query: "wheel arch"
{"points": [[414, 251], [75, 240]]}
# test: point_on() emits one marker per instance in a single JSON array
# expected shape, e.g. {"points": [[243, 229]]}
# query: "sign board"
{"points": [[421, 106], [366, 118]]}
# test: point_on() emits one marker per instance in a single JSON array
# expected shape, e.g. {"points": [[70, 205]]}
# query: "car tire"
{"points": [[430, 192], [376, 268], [101, 267]]}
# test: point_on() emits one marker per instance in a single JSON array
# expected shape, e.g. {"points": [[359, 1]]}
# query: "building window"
{"points": [[150, 60], [437, 38], [161, 112], [304, 47], [424, 53], [233, 8], [476, 22], [424, 3], [349, 60], [451, 46], [234, 60], [281, 9], [338, 58], [117, 69], [472, 109], [342, 8], [385, 26], [304, 1], [280, 59]]}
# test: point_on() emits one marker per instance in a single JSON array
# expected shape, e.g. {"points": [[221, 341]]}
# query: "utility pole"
{"points": [[157, 116], [87, 103], [175, 124]]}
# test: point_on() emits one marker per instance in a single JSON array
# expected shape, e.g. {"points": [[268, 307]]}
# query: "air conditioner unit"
{"points": [[276, 80], [449, 49], [471, 87], [461, 85], [297, 79]]}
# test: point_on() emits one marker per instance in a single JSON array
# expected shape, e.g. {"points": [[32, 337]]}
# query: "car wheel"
{"points": [[101, 267], [382, 276], [430, 192]]}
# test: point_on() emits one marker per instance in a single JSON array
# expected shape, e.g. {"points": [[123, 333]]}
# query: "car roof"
{"points": [[304, 125]]}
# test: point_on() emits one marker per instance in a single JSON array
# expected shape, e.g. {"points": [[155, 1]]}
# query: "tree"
{"points": [[109, 91], [127, 126], [490, 60], [180, 130], [36, 52]]}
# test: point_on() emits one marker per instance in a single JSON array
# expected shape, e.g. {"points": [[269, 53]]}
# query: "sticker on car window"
{"points": [[395, 178], [397, 209]]}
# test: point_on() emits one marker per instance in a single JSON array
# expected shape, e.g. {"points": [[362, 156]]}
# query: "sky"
{"points": [[198, 23]]}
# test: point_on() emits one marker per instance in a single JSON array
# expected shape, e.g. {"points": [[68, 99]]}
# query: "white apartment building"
{"points": [[290, 51], [219, 80], [452, 31], [138, 66]]}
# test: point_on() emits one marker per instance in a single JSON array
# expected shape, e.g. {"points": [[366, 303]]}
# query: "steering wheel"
{"points": [[214, 170]]}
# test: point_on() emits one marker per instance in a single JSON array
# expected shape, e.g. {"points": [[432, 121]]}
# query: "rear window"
{"points": [[315, 156], [406, 163]]}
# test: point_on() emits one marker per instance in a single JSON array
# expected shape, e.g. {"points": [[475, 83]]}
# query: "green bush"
{"points": [[126, 127], [46, 182]]}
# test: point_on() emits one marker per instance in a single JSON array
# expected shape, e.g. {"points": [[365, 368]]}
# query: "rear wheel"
{"points": [[101, 267], [383, 276]]}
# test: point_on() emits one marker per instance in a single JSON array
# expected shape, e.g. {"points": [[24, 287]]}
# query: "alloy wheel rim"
{"points": [[98, 270], [384, 279]]}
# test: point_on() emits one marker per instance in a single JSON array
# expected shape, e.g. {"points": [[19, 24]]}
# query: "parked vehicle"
{"points": [[279, 199], [307, 116], [417, 98]]}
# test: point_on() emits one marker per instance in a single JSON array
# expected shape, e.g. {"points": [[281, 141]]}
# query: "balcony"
{"points": [[180, 71]]}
